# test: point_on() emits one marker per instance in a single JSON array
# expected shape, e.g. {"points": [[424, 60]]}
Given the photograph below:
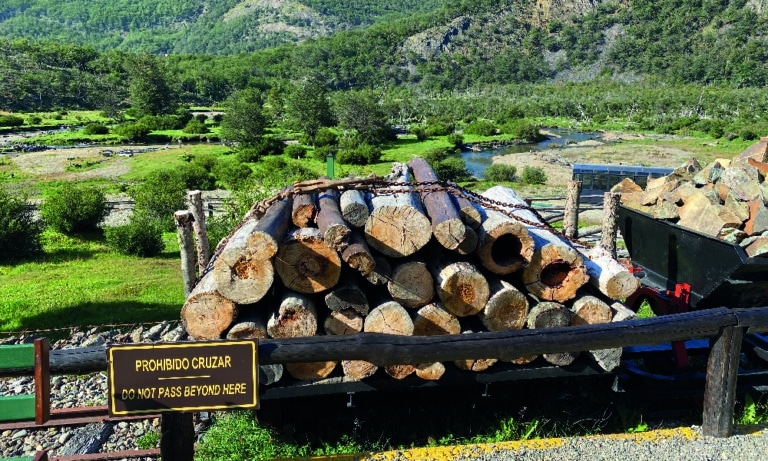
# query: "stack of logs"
{"points": [[724, 199], [406, 258]]}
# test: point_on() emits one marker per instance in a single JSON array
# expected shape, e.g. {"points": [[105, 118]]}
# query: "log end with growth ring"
{"points": [[207, 315], [245, 279], [397, 231], [504, 246], [555, 273]]}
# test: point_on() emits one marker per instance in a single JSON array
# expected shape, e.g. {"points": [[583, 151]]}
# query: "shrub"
{"points": [[11, 120], [73, 209], [481, 127], [160, 195], [95, 128], [439, 154], [19, 233], [142, 236], [34, 120], [534, 175], [162, 122], [364, 154], [231, 173], [452, 169], [456, 140], [439, 129], [747, 134], [294, 151], [196, 177], [195, 126], [498, 172], [201, 118], [321, 153], [420, 133], [265, 146], [523, 129], [133, 131], [207, 161]]}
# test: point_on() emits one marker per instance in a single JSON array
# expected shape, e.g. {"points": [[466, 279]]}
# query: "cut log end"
{"points": [[244, 280], [357, 370], [430, 371], [397, 231], [207, 315], [555, 273], [310, 371], [504, 246], [306, 264]]}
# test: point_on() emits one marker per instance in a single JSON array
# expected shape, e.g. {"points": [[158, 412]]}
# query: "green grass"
{"points": [[79, 281]]}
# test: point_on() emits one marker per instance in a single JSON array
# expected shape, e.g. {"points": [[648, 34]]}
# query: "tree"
{"points": [[244, 122], [149, 86], [361, 111], [308, 107], [161, 194], [19, 233]]}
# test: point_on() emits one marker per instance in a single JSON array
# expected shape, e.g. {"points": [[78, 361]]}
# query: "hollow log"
{"points": [[555, 273], [310, 371], [382, 271], [411, 284], [447, 227], [271, 229], [461, 287], [332, 226], [503, 244], [207, 314], [347, 295], [306, 264], [344, 322], [550, 314], [506, 309], [469, 211], [354, 210], [357, 255], [304, 210], [357, 370], [397, 226], [295, 317]]}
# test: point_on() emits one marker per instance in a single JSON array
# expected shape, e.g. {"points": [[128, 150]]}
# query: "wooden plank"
{"points": [[42, 381], [16, 407], [17, 356], [720, 387]]}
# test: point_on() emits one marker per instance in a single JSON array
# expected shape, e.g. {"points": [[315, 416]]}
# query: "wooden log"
{"points": [[447, 227], [552, 315], [571, 214], [506, 309], [195, 201], [381, 273], [400, 371], [357, 254], [411, 284], [430, 371], [391, 318], [207, 314], [469, 245], [610, 359], [310, 371], [610, 222], [306, 264], [461, 287], [504, 245], [589, 310], [354, 210], [357, 370], [433, 319], [304, 209], [720, 386], [332, 226], [476, 365], [469, 211], [343, 322], [239, 274], [347, 295], [183, 221], [397, 225], [249, 324], [295, 317], [555, 273], [271, 229]]}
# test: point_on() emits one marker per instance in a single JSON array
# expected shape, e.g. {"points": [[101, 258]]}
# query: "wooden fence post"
{"points": [[183, 221], [195, 198], [611, 203], [720, 388], [42, 381], [571, 212], [177, 436]]}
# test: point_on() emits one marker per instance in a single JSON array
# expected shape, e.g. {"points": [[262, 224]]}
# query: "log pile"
{"points": [[407, 256], [724, 199]]}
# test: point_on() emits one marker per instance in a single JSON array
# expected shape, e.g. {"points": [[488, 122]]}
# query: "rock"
{"points": [[758, 247], [626, 186], [737, 207], [700, 214], [732, 235], [744, 187], [709, 174], [758, 218], [666, 210], [87, 439]]}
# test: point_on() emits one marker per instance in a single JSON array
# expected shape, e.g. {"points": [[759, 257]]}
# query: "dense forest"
{"points": [[636, 59]]}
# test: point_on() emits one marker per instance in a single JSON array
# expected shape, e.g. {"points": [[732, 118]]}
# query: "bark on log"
{"points": [[610, 359], [397, 225], [461, 287], [270, 231], [381, 273], [195, 200], [571, 214], [348, 295], [183, 220], [306, 264], [310, 371], [344, 322], [357, 255], [447, 227], [610, 222], [332, 226], [555, 273], [357, 370], [304, 210], [411, 284], [354, 210], [240, 274], [506, 309], [503, 244], [295, 317], [552, 315], [207, 314], [469, 211]]}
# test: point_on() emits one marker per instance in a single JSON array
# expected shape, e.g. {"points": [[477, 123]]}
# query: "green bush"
{"points": [[326, 137], [452, 169], [522, 129], [498, 172], [267, 145], [456, 140], [11, 120], [747, 134], [142, 236], [294, 151], [321, 153], [195, 126], [163, 122], [72, 209], [439, 128], [364, 154], [34, 120], [420, 133], [439, 154], [19, 233], [534, 175], [201, 118], [207, 161], [160, 195], [196, 177], [481, 127], [231, 172], [133, 131], [95, 128]]}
